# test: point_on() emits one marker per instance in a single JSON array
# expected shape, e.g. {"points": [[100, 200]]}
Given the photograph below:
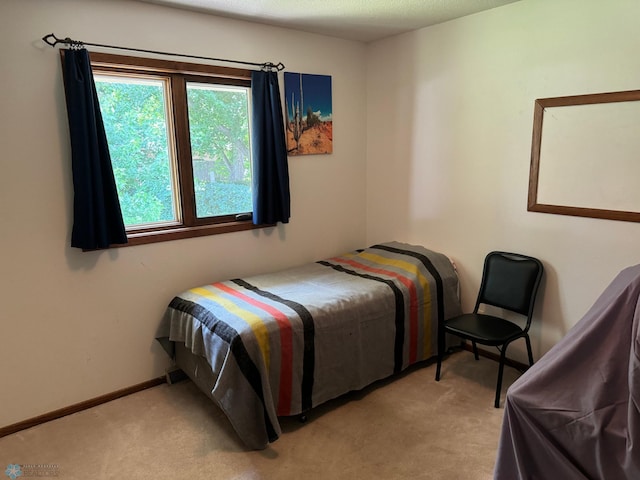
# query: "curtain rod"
{"points": [[52, 40]]}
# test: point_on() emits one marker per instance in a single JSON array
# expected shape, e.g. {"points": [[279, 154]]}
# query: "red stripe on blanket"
{"points": [[413, 301], [286, 347]]}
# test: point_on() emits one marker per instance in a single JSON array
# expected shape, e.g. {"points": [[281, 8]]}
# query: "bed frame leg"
{"points": [[175, 375]]}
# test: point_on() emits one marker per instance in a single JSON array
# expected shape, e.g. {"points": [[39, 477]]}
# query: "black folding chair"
{"points": [[509, 282]]}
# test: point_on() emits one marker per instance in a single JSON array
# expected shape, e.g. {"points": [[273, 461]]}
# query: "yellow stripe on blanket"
{"points": [[424, 283], [254, 321]]}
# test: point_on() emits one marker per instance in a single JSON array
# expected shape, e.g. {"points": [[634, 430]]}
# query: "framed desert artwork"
{"points": [[309, 113]]}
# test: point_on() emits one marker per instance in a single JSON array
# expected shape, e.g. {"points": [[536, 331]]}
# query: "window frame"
{"points": [[178, 74]]}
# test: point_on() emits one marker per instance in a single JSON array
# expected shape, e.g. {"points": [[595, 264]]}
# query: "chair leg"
{"points": [[526, 338], [500, 371], [441, 346], [475, 350]]}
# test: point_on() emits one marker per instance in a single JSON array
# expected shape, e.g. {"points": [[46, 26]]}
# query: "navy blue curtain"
{"points": [[271, 198], [97, 218]]}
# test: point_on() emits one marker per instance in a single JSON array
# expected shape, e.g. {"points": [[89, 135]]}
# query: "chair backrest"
{"points": [[510, 281]]}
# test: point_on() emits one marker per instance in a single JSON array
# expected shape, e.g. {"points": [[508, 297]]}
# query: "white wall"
{"points": [[441, 158], [450, 116], [77, 325]]}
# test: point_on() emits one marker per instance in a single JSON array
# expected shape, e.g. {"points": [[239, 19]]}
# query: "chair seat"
{"points": [[484, 329]]}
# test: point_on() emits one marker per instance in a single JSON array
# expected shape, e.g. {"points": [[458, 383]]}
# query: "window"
{"points": [[179, 140]]}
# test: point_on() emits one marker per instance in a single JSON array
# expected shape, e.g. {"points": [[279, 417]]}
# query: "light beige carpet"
{"points": [[410, 428]]}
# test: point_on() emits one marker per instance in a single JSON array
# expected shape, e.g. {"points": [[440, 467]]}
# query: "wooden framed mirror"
{"points": [[585, 156]]}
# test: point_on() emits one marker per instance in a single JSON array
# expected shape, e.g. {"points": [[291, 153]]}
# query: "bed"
{"points": [[280, 344]]}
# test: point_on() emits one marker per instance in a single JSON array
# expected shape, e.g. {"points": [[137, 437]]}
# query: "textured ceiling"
{"points": [[362, 20]]}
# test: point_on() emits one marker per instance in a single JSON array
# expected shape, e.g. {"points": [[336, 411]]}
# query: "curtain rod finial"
{"points": [[272, 67], [48, 39]]}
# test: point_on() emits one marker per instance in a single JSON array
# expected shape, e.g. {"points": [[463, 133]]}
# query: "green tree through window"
{"points": [[179, 139], [135, 120], [219, 131]]}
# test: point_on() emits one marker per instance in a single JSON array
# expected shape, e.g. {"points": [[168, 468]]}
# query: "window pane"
{"points": [[135, 119], [219, 129]]}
